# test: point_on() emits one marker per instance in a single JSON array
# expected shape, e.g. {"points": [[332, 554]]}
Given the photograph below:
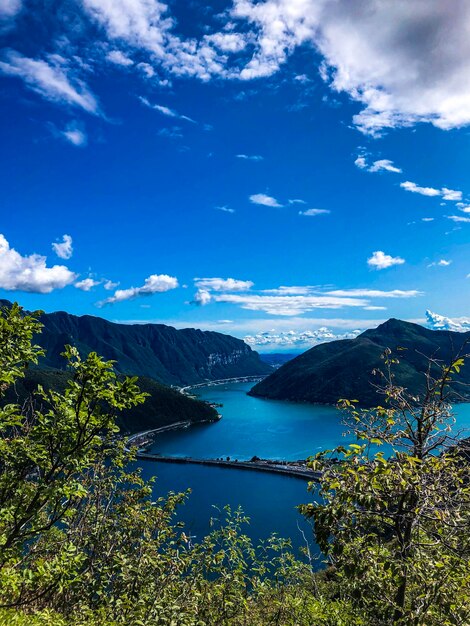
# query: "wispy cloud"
{"points": [[223, 284], [87, 284], [53, 79], [265, 200], [440, 263], [164, 110], [225, 209], [380, 261], [424, 191], [459, 219], [64, 249], [156, 283], [314, 212], [30, 273], [377, 166], [75, 135], [250, 157]]}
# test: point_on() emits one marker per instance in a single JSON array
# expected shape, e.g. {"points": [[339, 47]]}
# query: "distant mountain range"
{"points": [[159, 355], [343, 369]]}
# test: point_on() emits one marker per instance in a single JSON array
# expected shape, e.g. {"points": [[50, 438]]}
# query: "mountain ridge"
{"points": [[343, 368], [168, 355]]}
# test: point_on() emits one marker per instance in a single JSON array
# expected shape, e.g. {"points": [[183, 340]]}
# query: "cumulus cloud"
{"points": [[380, 261], [424, 191], [119, 58], [64, 249], [439, 322], [53, 79], [30, 273], [109, 285], [263, 199], [314, 212], [393, 58], [156, 283], [451, 194], [377, 166], [165, 110], [87, 284], [223, 284], [297, 339], [202, 297]]}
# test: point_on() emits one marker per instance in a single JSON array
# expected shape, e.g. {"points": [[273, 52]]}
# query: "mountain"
{"points": [[164, 405], [343, 369], [168, 355], [276, 359]]}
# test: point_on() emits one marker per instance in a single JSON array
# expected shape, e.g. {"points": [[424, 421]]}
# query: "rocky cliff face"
{"points": [[168, 355]]}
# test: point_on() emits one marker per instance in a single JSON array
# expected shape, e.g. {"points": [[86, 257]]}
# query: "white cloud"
{"points": [[384, 164], [202, 297], [439, 322], [379, 260], [30, 273], [440, 263], [248, 157], [427, 219], [223, 284], [394, 58], [225, 209], [296, 201], [165, 110], [156, 283], [459, 218], [109, 285], [314, 212], [424, 191], [263, 199], [87, 284], [63, 249], [375, 293], [52, 79], [74, 135], [451, 194], [288, 305], [297, 339], [377, 166], [10, 8], [119, 58]]}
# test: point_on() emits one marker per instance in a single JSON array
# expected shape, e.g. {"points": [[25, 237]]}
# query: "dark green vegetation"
{"points": [[344, 369], [159, 355], [84, 543], [169, 356], [163, 406]]}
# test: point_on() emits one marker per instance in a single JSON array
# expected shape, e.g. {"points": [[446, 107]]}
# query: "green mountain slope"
{"points": [[343, 369], [168, 355], [164, 406]]}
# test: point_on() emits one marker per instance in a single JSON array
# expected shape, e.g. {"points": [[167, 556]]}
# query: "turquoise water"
{"points": [[251, 426]]}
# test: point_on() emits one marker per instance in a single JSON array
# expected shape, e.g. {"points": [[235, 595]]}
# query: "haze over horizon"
{"points": [[287, 171]]}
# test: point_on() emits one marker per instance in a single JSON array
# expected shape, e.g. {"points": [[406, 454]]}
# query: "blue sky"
{"points": [[266, 169]]}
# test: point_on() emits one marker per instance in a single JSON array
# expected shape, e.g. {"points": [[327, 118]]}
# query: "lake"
{"points": [[250, 426]]}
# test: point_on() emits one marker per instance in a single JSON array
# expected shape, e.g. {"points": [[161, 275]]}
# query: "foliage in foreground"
{"points": [[83, 542]]}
